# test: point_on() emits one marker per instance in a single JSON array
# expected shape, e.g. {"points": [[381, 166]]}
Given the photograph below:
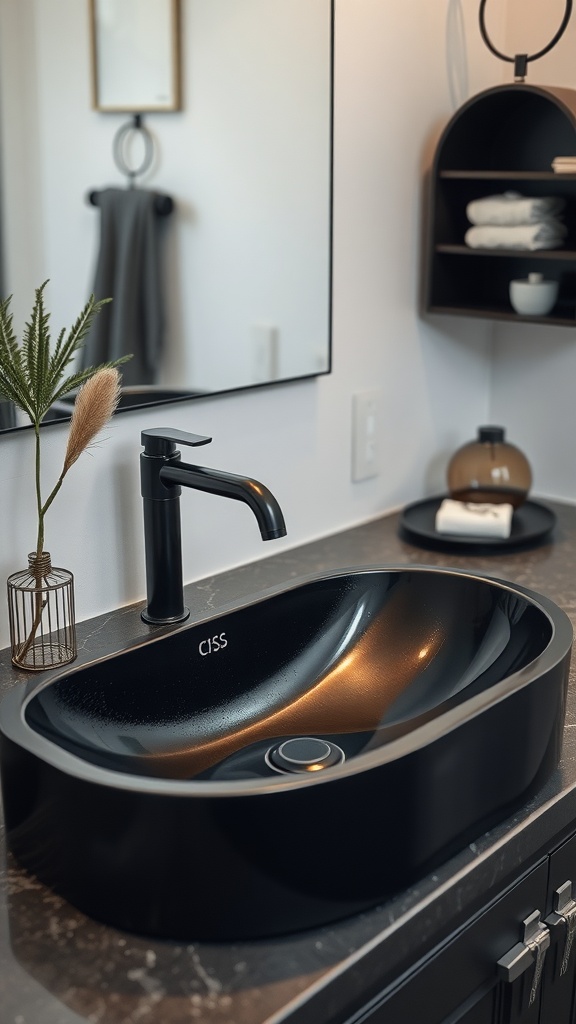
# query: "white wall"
{"points": [[391, 99], [534, 368]]}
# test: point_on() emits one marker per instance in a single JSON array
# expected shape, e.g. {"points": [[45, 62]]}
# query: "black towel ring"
{"points": [[119, 148], [163, 204], [520, 61]]}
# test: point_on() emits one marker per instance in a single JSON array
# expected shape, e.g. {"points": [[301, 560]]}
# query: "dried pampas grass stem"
{"points": [[95, 403]]}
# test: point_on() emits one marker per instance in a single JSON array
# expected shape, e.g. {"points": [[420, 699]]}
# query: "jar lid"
{"points": [[491, 435]]}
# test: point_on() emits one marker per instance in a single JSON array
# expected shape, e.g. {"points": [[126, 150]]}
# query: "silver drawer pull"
{"points": [[531, 950], [564, 910]]}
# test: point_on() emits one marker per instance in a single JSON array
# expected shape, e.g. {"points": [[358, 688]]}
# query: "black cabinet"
{"points": [[504, 139], [514, 962]]}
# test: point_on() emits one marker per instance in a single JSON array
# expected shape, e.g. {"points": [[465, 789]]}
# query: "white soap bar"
{"points": [[474, 520]]}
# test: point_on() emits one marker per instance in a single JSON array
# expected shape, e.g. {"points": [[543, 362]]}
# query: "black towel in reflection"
{"points": [[128, 270], [7, 414]]}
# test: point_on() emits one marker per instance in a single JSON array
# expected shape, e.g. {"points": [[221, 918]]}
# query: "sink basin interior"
{"points": [[360, 659]]}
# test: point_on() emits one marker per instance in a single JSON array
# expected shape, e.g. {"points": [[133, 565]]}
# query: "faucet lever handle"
{"points": [[163, 440]]}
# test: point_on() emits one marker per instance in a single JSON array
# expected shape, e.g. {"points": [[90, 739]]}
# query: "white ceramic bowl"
{"points": [[533, 296]]}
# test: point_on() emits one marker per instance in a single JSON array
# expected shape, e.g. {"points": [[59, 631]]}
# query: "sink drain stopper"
{"points": [[304, 754]]}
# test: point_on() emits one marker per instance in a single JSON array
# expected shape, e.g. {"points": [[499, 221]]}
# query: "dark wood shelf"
{"points": [[507, 175], [489, 313], [540, 254], [492, 144]]}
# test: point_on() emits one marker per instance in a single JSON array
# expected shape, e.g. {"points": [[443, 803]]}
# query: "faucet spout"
{"points": [[162, 477], [243, 488]]}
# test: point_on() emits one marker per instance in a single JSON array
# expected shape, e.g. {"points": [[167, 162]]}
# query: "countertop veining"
{"points": [[59, 967]]}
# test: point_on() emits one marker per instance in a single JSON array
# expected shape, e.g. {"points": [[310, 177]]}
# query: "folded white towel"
{"points": [[512, 208], [474, 520], [544, 235], [564, 165]]}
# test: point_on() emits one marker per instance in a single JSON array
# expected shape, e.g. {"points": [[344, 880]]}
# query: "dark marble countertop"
{"points": [[59, 967]]}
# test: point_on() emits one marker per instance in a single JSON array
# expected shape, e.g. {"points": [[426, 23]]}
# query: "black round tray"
{"points": [[531, 523]]}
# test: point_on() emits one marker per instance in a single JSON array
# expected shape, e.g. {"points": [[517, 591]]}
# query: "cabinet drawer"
{"points": [[459, 980]]}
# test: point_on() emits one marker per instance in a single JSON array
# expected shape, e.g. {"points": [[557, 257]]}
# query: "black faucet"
{"points": [[162, 474]]}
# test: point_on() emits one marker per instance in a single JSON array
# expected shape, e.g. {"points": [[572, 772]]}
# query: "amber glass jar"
{"points": [[489, 469]]}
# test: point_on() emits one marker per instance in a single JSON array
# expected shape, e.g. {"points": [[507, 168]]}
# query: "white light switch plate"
{"points": [[265, 352], [365, 416]]}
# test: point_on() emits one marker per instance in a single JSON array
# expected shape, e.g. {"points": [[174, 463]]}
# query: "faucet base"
{"points": [[154, 620]]}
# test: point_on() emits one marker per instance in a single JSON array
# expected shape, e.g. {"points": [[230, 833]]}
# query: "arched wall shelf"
{"points": [[502, 139]]}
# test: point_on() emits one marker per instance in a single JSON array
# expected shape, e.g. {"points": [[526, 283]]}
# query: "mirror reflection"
{"points": [[243, 258]]}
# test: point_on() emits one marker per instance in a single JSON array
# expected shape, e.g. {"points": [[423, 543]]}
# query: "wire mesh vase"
{"points": [[41, 613]]}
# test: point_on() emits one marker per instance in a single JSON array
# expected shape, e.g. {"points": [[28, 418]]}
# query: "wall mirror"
{"points": [[247, 161]]}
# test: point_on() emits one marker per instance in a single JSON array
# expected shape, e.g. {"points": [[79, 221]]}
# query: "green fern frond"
{"points": [[67, 347], [10, 353], [30, 341], [13, 377], [36, 344], [55, 360], [7, 335], [16, 388], [13, 388]]}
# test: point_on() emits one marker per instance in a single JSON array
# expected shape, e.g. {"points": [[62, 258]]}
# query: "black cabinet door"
{"points": [[458, 983], [559, 978]]}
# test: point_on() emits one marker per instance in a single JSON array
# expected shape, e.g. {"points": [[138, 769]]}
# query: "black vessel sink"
{"points": [[291, 762]]}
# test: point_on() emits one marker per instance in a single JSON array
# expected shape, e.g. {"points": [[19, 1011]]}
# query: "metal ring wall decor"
{"points": [[119, 148], [520, 60]]}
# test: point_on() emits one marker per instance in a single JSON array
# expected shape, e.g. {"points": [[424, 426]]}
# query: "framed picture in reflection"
{"points": [[135, 55]]}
